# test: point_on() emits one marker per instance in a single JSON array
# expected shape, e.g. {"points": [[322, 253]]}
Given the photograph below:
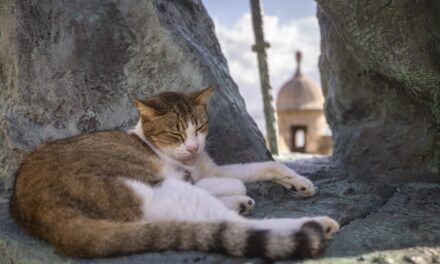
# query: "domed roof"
{"points": [[300, 93]]}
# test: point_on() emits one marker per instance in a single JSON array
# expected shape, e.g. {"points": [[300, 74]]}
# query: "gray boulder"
{"points": [[73, 66], [380, 68]]}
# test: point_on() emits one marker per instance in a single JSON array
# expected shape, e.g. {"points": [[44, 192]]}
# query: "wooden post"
{"points": [[260, 48]]}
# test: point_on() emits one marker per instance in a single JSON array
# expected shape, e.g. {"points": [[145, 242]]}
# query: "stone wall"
{"points": [[381, 77], [74, 66]]}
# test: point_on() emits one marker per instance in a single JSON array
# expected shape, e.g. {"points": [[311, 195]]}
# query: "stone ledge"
{"points": [[381, 223]]}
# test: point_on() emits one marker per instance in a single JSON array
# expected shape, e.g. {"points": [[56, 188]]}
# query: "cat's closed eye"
{"points": [[202, 127], [173, 135]]}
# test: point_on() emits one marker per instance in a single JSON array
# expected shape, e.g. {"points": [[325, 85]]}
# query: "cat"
{"points": [[155, 188]]}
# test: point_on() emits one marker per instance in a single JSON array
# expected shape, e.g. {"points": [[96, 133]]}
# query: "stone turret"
{"points": [[300, 114]]}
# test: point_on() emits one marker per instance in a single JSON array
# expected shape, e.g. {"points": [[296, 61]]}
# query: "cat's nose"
{"points": [[192, 148]]}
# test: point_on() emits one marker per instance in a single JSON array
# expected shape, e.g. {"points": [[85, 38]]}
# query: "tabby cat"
{"points": [[154, 188]]}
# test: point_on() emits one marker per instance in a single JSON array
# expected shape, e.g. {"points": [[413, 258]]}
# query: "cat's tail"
{"points": [[89, 238]]}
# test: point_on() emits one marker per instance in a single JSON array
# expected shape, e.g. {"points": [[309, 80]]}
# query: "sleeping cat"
{"points": [[154, 188]]}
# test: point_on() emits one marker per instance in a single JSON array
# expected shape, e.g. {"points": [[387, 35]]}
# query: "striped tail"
{"points": [[89, 238]]}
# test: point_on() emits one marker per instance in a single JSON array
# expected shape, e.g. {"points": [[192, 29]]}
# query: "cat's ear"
{"points": [[202, 96], [145, 109]]}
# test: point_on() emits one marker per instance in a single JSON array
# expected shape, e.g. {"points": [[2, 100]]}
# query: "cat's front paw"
{"points": [[299, 185]]}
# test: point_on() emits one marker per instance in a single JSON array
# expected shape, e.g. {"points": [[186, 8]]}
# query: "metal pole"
{"points": [[260, 48]]}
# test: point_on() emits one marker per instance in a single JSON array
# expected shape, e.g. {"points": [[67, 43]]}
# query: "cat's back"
{"points": [[92, 144], [97, 154]]}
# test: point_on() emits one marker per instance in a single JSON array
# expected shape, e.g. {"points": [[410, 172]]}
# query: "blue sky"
{"points": [[290, 25]]}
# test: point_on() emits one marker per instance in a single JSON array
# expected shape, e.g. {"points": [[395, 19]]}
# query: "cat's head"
{"points": [[176, 123]]}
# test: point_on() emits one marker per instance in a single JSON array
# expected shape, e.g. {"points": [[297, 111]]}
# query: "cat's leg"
{"points": [[258, 171], [181, 201], [222, 186], [231, 192], [242, 204], [185, 204], [266, 171]]}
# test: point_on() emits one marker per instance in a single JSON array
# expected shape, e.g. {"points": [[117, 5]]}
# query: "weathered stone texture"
{"points": [[381, 79], [68, 67]]}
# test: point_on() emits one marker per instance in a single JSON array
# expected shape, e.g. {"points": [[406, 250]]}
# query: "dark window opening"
{"points": [[298, 138]]}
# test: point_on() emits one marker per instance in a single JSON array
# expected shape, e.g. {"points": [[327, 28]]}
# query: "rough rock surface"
{"points": [[73, 66], [380, 68], [380, 223]]}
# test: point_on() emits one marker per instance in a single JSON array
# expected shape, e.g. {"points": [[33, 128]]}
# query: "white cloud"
{"points": [[236, 41]]}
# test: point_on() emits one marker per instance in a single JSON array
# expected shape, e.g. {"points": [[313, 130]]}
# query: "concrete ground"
{"points": [[380, 223]]}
